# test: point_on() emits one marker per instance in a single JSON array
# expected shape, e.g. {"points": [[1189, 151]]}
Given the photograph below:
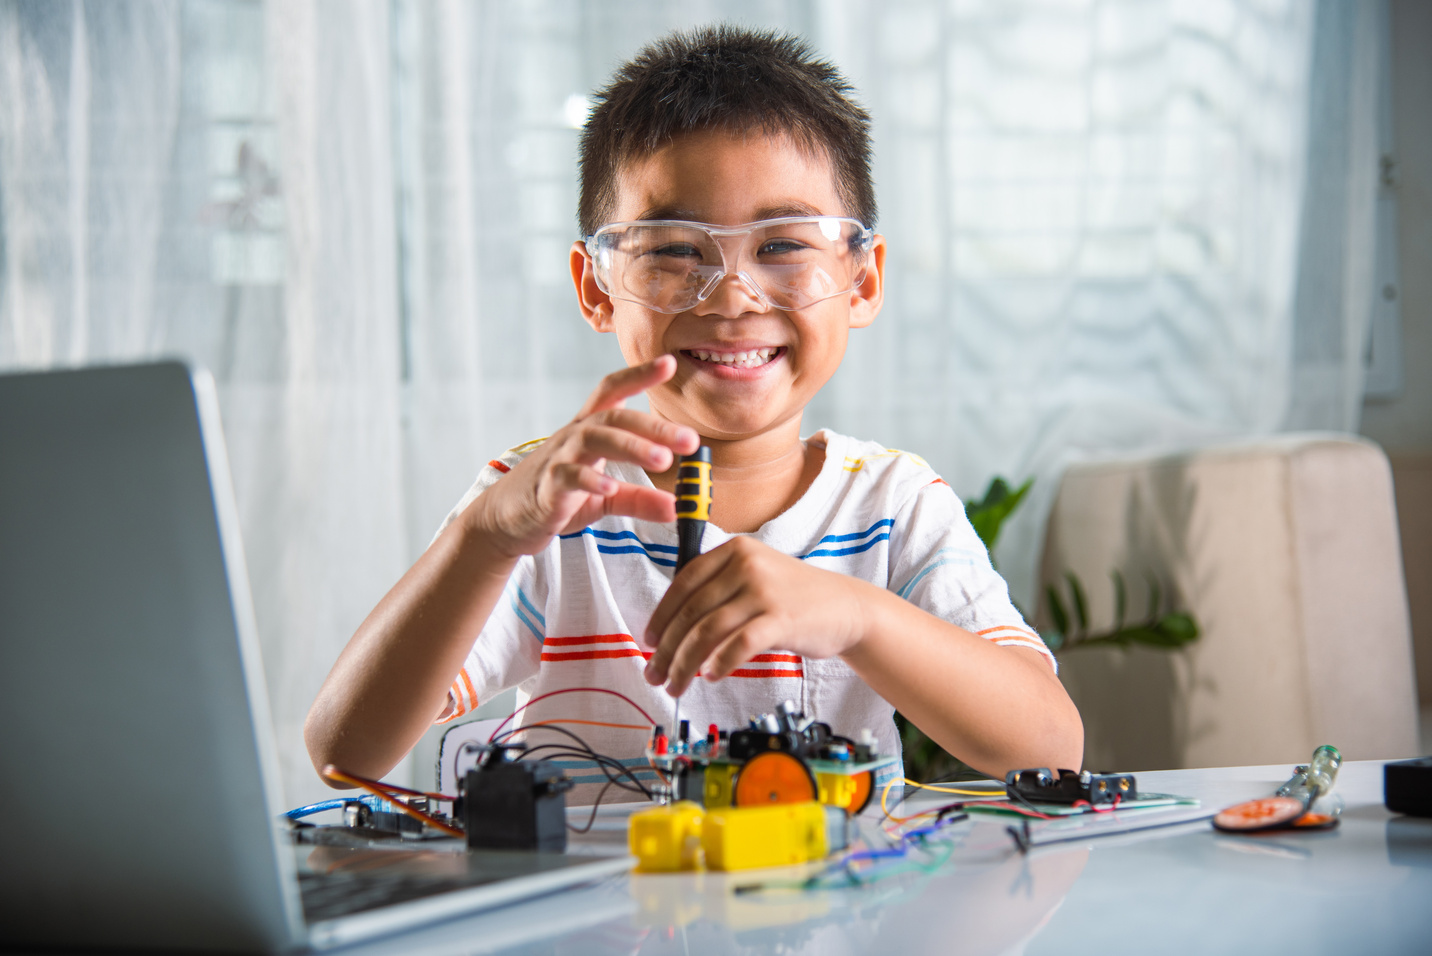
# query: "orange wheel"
{"points": [[864, 789], [773, 777]]}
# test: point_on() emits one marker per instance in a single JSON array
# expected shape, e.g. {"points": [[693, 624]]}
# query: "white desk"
{"points": [[1365, 887]]}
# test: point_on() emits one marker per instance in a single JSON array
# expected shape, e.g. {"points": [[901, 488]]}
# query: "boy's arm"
{"points": [[391, 681], [997, 708]]}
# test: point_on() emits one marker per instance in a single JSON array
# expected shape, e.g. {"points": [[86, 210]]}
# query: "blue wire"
{"points": [[313, 808]]}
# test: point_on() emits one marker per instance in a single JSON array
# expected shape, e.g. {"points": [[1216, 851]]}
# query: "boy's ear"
{"points": [[595, 304], [867, 298]]}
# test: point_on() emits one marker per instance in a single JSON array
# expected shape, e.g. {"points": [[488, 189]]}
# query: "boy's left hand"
{"points": [[743, 599]]}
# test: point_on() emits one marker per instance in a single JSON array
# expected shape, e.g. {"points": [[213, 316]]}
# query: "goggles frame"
{"points": [[861, 243]]}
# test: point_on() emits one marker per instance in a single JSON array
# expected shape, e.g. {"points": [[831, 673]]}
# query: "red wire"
{"points": [[412, 793], [568, 690], [333, 773], [1109, 809], [1020, 810]]}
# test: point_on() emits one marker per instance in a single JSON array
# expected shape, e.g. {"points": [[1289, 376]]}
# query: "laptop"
{"points": [[137, 753]]}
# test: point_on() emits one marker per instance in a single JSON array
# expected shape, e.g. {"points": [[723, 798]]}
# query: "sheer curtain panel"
{"points": [[1115, 226]]}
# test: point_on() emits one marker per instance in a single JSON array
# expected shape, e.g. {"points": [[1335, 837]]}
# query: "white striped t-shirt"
{"points": [[568, 615]]}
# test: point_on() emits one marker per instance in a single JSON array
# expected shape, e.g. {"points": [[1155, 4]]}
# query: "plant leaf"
{"points": [[1179, 628], [989, 514], [1121, 599], [1081, 607], [1056, 609]]}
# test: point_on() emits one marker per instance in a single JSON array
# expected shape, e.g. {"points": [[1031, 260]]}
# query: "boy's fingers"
{"points": [[619, 386], [590, 442], [703, 568], [693, 597], [588, 478], [644, 504], [739, 648], [680, 438], [735, 622]]}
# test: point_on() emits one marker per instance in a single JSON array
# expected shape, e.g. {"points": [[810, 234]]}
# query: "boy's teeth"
{"points": [[748, 359]]}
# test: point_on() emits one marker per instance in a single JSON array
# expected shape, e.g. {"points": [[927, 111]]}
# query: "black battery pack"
{"points": [[1407, 786], [1070, 786], [518, 805]]}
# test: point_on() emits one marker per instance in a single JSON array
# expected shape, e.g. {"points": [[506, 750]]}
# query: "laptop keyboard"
{"points": [[329, 895]]}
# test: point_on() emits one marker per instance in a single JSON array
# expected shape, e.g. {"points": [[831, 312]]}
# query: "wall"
{"points": [[1403, 425]]}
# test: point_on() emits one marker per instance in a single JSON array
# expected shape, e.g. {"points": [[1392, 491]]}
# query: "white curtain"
{"points": [[1116, 226]]}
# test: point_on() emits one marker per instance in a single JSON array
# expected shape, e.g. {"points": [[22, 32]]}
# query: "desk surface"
{"points": [[1365, 886]]}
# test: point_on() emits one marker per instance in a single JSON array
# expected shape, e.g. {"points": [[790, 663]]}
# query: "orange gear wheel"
{"points": [[773, 777], [864, 790]]}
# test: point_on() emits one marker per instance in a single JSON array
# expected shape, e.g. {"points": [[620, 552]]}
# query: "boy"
{"points": [[728, 205]]}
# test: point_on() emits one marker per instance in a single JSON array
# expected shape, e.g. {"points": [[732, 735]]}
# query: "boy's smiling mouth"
{"points": [[738, 358]]}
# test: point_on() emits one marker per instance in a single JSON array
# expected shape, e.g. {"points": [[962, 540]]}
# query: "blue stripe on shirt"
{"points": [[962, 556], [819, 552], [518, 604], [646, 548], [641, 547]]}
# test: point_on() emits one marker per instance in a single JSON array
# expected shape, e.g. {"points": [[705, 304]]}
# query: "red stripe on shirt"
{"points": [[760, 672], [467, 682], [590, 655], [454, 695], [500, 466], [589, 639], [776, 659]]}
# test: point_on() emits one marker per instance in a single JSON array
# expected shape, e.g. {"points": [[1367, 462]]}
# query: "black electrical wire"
{"points": [[597, 803], [602, 760], [606, 764]]}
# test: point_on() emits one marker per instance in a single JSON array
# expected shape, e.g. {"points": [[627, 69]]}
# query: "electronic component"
{"points": [[780, 757], [683, 836], [1407, 786], [1289, 806], [743, 838], [666, 839], [512, 804], [1044, 785]]}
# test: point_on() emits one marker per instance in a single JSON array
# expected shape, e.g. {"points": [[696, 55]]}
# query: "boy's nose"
{"points": [[735, 293]]}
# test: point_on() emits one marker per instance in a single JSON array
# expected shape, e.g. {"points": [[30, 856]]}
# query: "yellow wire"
{"points": [[968, 793], [885, 796]]}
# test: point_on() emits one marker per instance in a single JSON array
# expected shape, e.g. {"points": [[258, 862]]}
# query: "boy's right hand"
{"points": [[562, 487]]}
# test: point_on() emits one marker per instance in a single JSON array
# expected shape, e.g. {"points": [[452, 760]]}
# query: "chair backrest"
{"points": [[1286, 553]]}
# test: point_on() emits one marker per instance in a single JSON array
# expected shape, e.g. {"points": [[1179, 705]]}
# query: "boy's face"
{"points": [[729, 179]]}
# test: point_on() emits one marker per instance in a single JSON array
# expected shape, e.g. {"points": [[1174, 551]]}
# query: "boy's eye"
{"points": [[681, 250], [780, 247]]}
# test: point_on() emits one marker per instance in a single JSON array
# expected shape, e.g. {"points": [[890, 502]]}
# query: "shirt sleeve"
{"points": [[508, 649], [939, 564]]}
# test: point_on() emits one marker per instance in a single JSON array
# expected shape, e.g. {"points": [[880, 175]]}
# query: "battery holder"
{"points": [[517, 805]]}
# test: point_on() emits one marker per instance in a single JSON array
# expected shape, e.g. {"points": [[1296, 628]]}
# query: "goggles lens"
{"points": [[790, 263]]}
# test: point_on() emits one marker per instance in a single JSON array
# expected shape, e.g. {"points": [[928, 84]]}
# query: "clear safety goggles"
{"points": [[669, 265]]}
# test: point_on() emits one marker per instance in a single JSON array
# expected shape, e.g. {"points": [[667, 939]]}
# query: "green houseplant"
{"points": [[1159, 626]]}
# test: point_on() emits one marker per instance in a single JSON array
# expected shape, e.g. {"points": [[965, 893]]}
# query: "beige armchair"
{"points": [[1286, 552]]}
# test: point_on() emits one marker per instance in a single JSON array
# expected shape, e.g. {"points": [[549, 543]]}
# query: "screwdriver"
{"points": [[693, 504], [693, 510]]}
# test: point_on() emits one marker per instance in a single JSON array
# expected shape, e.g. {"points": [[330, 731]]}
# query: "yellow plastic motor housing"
{"points": [[835, 789], [781, 834], [720, 782], [666, 839]]}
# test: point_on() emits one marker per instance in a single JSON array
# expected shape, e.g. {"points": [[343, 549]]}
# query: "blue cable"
{"points": [[313, 808]]}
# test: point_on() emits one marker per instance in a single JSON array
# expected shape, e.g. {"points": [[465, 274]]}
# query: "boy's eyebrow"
{"points": [[779, 211]]}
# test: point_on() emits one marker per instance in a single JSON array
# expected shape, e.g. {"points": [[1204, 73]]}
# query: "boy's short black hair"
{"points": [[724, 77]]}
